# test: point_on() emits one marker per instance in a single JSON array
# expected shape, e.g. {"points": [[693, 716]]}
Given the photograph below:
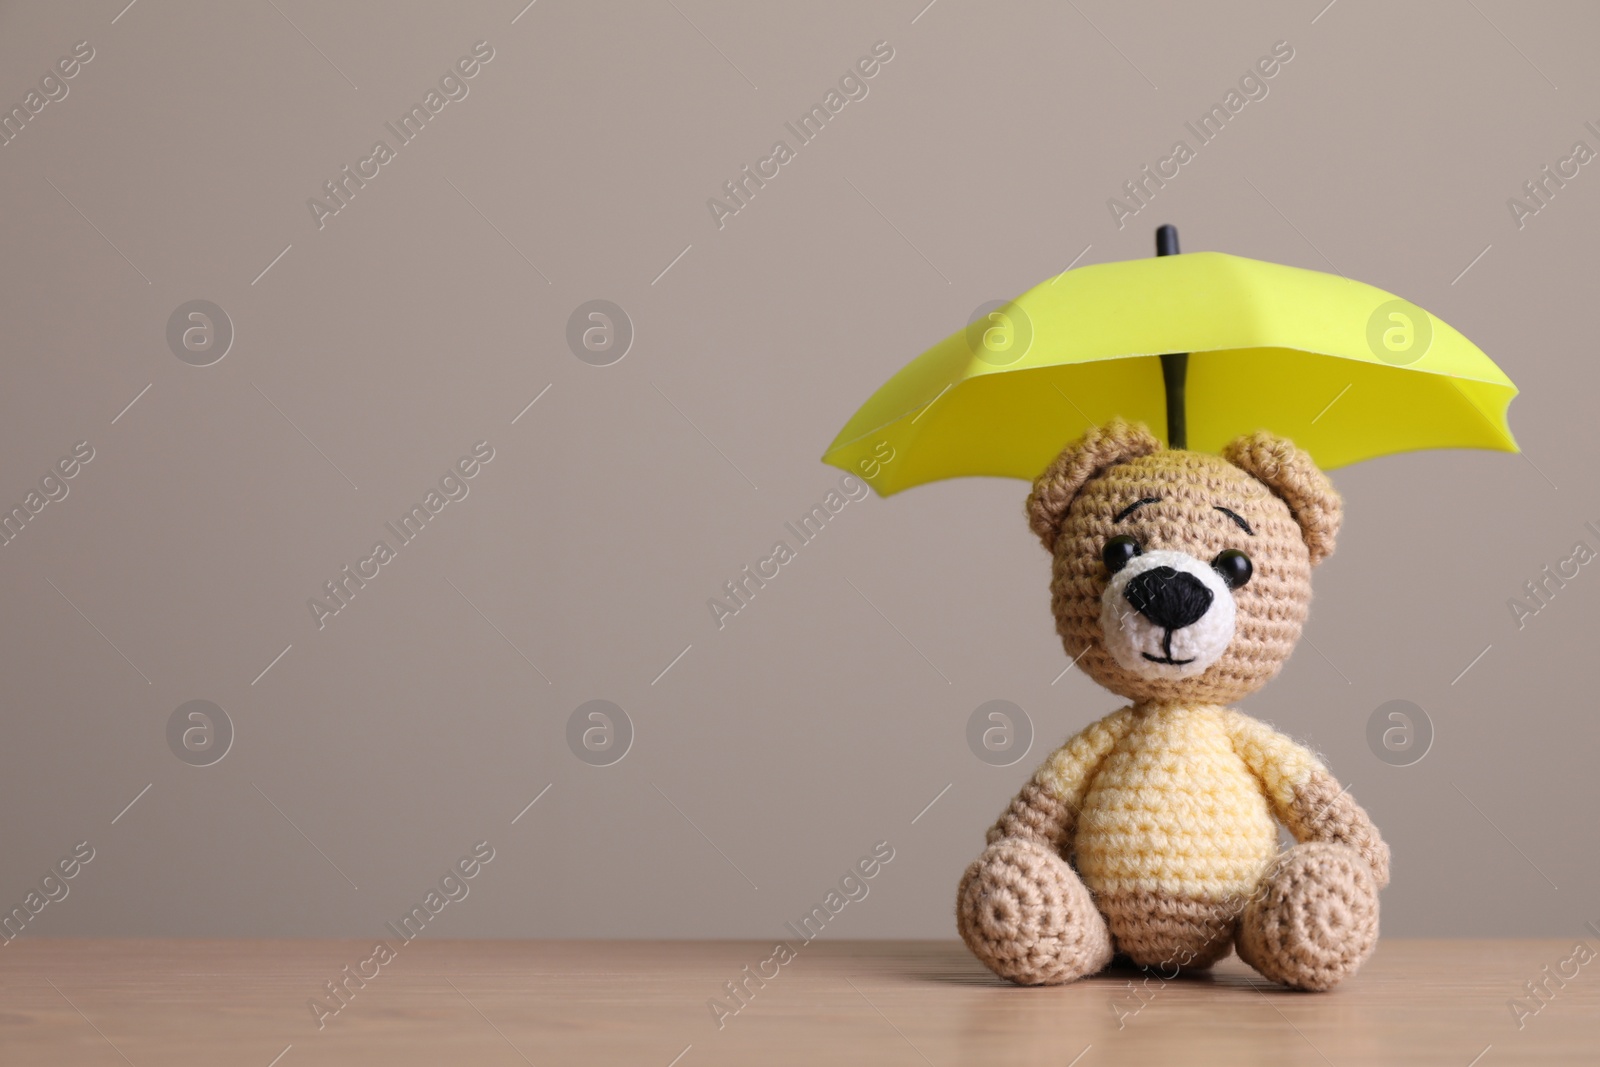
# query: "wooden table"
{"points": [[168, 1002]]}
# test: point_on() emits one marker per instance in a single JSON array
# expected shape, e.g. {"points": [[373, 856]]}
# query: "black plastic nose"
{"points": [[1168, 597]]}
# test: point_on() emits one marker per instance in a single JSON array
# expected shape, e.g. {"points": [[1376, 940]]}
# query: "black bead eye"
{"points": [[1118, 551], [1234, 566]]}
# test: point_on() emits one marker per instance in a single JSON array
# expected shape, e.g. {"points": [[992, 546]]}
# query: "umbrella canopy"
{"points": [[1345, 370]]}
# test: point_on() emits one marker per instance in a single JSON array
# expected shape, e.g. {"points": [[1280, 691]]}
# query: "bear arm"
{"points": [[1304, 795], [1046, 811]]}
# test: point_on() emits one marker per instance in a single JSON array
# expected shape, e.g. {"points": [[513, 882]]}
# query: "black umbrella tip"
{"points": [[1166, 239]]}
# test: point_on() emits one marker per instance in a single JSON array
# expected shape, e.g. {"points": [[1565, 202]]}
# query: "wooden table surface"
{"points": [[173, 1002]]}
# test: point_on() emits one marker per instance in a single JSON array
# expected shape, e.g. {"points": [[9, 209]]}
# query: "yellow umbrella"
{"points": [[1345, 370]]}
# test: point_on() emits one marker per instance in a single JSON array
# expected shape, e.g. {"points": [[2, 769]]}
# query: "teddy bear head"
{"points": [[1182, 576]]}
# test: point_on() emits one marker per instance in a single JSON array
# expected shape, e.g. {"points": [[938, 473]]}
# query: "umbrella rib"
{"points": [[1495, 431]]}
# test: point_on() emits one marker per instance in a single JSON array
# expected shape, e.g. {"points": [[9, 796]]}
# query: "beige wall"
{"points": [[423, 317]]}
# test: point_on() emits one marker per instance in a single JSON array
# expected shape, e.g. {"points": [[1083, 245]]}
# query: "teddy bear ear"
{"points": [[1297, 481], [1116, 442]]}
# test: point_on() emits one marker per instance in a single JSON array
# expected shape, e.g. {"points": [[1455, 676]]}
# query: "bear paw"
{"points": [[1026, 915], [1313, 919]]}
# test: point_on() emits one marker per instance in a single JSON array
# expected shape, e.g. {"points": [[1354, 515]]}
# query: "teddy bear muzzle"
{"points": [[1167, 615]]}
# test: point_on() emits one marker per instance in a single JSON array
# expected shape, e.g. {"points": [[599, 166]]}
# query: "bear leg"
{"points": [[1026, 915], [1314, 918]]}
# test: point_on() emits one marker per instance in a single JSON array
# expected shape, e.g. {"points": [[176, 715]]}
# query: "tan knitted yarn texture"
{"points": [[1153, 832], [1075, 501], [1316, 920], [1029, 917]]}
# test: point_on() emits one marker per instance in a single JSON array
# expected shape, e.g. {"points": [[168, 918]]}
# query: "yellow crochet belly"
{"points": [[1174, 810]]}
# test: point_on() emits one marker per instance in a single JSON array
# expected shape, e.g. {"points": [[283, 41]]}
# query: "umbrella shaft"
{"points": [[1174, 365], [1174, 371]]}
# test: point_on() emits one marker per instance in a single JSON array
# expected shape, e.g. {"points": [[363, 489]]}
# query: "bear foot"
{"points": [[1028, 917], [1314, 918]]}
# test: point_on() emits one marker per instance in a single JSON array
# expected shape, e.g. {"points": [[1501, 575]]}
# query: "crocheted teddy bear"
{"points": [[1180, 581]]}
